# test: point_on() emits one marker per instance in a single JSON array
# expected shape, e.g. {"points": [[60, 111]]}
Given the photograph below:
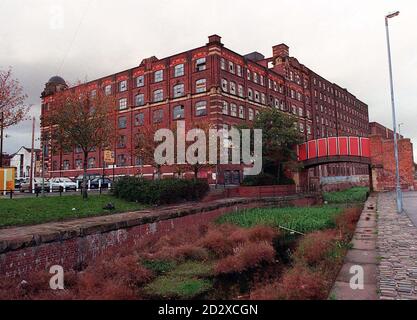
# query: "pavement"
{"points": [[397, 248], [362, 254]]}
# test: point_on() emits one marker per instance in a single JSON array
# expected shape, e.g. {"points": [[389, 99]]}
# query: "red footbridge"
{"points": [[334, 149]]}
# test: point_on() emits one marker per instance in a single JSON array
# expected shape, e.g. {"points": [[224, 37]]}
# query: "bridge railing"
{"points": [[334, 146]]}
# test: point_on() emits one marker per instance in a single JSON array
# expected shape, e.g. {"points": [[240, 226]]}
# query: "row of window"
{"points": [[240, 112], [158, 76], [178, 112], [158, 95]]}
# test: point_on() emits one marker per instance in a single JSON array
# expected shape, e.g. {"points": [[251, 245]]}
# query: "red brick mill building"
{"points": [[217, 85]]}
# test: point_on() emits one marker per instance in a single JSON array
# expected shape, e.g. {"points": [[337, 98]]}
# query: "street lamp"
{"points": [[397, 167]]}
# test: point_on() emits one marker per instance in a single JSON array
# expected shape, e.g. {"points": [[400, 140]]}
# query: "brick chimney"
{"points": [[215, 39], [280, 52]]}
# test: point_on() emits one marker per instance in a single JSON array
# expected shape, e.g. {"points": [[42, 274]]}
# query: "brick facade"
{"points": [[214, 84], [383, 163]]}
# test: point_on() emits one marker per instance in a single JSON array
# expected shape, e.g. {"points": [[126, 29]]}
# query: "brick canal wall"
{"points": [[74, 243]]}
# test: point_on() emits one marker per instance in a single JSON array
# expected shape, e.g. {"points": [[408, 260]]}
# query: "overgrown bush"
{"points": [[162, 191]]}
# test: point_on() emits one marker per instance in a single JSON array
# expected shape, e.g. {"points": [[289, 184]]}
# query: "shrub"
{"points": [[347, 221], [315, 247], [247, 256], [298, 283], [162, 191], [262, 179], [217, 243], [159, 266]]}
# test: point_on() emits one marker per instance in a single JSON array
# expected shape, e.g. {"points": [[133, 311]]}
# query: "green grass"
{"points": [[357, 194], [305, 219], [159, 266], [28, 211], [186, 281]]}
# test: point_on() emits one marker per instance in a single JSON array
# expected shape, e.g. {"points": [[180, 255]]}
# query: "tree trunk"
{"points": [[84, 184], [196, 172]]}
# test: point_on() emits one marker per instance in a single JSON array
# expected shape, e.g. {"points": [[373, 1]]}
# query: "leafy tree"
{"points": [[78, 118], [12, 104], [279, 138]]}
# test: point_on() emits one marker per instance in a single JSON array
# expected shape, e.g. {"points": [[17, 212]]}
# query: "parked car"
{"points": [[94, 184], [89, 176], [62, 184], [18, 183], [37, 185]]}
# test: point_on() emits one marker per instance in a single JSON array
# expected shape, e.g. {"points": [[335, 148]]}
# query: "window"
{"points": [[255, 77], [179, 70], [93, 94], [158, 116], [301, 127], [139, 100], [257, 96], [240, 90], [78, 149], [139, 119], [223, 64], [178, 90], [178, 112], [107, 90], [121, 160], [122, 85], [241, 112], [294, 110], [225, 107], [158, 76], [121, 142], [231, 67], [250, 94], [300, 111], [200, 64], [250, 114], [232, 87], [91, 162], [248, 74], [233, 110], [66, 165], [263, 98], [262, 80], [122, 103], [308, 129], [200, 86], [224, 85], [78, 164], [122, 122], [239, 70], [158, 95], [201, 108], [140, 81]]}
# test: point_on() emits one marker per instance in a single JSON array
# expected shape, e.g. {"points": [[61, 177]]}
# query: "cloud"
{"points": [[342, 40]]}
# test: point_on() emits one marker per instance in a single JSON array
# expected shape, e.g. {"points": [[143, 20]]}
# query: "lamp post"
{"points": [[397, 167]]}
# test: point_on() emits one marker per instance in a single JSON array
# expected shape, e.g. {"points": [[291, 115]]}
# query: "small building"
{"points": [[21, 161]]}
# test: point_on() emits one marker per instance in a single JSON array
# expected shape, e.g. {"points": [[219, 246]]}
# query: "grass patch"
{"points": [[159, 266], [357, 194], [193, 269], [304, 220], [27, 211], [186, 281]]}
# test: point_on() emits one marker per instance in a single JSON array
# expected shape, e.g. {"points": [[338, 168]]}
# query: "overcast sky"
{"points": [[342, 40]]}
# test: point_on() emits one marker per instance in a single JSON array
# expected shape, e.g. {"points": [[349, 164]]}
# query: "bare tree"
{"points": [[12, 104], [78, 117], [145, 146]]}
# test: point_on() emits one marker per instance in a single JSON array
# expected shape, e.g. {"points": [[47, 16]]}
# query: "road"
{"points": [[20, 195], [410, 205]]}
